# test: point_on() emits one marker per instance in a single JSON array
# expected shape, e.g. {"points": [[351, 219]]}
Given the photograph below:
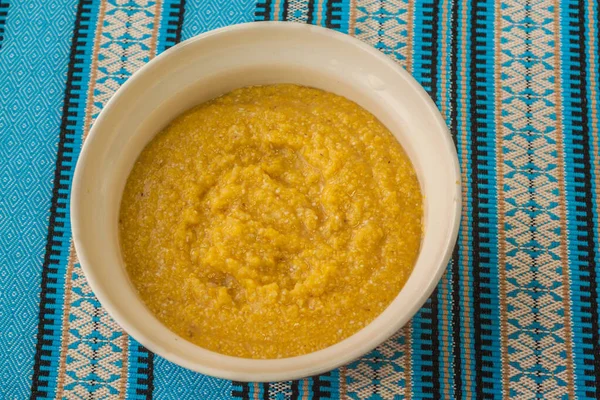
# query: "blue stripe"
{"points": [[594, 98], [485, 143], [446, 383], [333, 384], [281, 10], [272, 16], [422, 34], [576, 221], [446, 376], [171, 14], [344, 16], [321, 9], [262, 12], [467, 341], [137, 375], [422, 350]]}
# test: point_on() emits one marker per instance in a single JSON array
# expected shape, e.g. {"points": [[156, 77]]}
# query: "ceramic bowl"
{"points": [[215, 63]]}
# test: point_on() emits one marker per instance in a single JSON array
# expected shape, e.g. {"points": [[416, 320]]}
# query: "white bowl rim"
{"points": [[283, 374]]}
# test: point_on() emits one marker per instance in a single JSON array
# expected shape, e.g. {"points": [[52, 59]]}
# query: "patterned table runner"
{"points": [[515, 315]]}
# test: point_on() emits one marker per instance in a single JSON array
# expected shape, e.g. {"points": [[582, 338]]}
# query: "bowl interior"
{"points": [[216, 63]]}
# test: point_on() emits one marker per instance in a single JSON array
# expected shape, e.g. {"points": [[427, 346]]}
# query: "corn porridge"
{"points": [[271, 222]]}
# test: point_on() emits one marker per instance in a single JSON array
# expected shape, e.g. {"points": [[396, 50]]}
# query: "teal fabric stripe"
{"points": [[272, 16], [301, 391], [329, 385], [593, 94], [344, 16], [590, 11], [263, 10], [423, 385], [583, 345], [425, 362], [467, 385], [281, 14], [169, 31], [239, 390], [320, 14], [446, 363], [34, 60], [482, 117], [138, 373], [252, 392], [423, 38], [444, 292]]}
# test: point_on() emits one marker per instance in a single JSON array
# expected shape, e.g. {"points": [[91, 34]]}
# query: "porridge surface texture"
{"points": [[271, 222]]}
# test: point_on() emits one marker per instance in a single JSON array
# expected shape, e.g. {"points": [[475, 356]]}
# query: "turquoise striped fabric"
{"points": [[514, 316]]}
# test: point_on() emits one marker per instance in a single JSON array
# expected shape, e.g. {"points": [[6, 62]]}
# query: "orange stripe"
{"points": [[409, 35], [319, 10], [124, 363], [466, 222], [444, 66], [501, 208], [305, 389], [94, 70], [352, 22], [256, 389], [65, 325], [444, 306], [445, 344], [155, 26], [276, 11], [407, 360], [343, 383], [71, 261]]}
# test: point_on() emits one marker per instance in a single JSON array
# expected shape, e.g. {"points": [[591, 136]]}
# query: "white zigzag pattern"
{"points": [[386, 365], [374, 16], [535, 307]]}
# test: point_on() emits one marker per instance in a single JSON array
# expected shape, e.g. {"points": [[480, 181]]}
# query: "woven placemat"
{"points": [[515, 315]]}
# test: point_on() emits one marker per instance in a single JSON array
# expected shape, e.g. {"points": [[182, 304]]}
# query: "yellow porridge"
{"points": [[271, 222]]}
